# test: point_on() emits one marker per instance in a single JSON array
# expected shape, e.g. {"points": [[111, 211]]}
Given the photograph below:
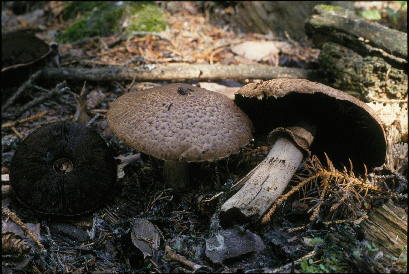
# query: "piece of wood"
{"points": [[177, 72], [363, 77], [272, 17], [387, 227], [333, 23], [264, 184], [365, 59]]}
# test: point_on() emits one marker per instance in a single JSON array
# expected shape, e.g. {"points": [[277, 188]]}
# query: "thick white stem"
{"points": [[265, 183]]}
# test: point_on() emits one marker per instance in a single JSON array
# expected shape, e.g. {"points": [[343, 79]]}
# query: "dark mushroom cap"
{"points": [[20, 47], [346, 128], [20, 52], [63, 168], [180, 122]]}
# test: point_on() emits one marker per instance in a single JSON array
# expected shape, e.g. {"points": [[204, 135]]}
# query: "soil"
{"points": [[185, 219]]}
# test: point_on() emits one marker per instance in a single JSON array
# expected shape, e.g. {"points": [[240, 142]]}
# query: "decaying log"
{"points": [[333, 23], [363, 77], [275, 17], [179, 72], [360, 57], [387, 227]]}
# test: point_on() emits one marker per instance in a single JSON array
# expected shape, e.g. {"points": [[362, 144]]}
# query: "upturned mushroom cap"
{"points": [[180, 122], [22, 51], [22, 48], [63, 168], [346, 128]]}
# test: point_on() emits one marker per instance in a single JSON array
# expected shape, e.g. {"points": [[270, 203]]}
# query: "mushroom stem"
{"points": [[176, 173], [267, 181]]}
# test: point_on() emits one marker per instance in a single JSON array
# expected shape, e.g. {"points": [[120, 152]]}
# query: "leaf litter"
{"points": [[186, 221]]}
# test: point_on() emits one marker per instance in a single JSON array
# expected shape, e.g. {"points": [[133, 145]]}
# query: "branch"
{"points": [[177, 72]]}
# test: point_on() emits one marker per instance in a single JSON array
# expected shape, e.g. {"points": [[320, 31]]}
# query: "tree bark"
{"points": [[331, 23], [365, 77], [180, 73], [365, 59], [276, 17]]}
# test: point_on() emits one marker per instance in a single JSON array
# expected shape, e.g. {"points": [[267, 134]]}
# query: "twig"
{"points": [[155, 265], [57, 90], [178, 258], [141, 33], [288, 266], [214, 53], [178, 72], [17, 133], [20, 91], [93, 119], [103, 43], [95, 111], [7, 212], [59, 119], [86, 41], [284, 197], [21, 121], [326, 223], [321, 200]]}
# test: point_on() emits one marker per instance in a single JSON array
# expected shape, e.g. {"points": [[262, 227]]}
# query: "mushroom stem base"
{"points": [[176, 173], [264, 184]]}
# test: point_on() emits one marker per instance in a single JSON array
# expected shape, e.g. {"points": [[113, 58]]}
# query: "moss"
{"points": [[148, 18], [332, 249], [73, 8], [330, 8], [100, 19], [105, 18]]}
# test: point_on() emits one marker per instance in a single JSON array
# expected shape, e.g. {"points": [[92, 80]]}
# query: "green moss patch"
{"points": [[106, 18]]}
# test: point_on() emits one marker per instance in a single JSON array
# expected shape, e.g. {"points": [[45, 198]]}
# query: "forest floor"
{"points": [[304, 234]]}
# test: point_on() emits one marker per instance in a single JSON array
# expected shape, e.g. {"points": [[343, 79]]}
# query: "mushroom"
{"points": [[62, 168], [303, 117], [21, 52], [179, 123]]}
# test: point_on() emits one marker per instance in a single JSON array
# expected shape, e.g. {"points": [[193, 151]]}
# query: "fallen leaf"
{"points": [[232, 243], [227, 91], [145, 236], [255, 50]]}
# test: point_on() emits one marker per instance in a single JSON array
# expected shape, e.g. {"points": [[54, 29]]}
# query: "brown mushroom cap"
{"points": [[346, 128], [180, 122]]}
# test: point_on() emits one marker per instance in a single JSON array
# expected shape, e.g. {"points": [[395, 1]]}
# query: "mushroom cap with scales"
{"points": [[180, 122], [346, 128]]}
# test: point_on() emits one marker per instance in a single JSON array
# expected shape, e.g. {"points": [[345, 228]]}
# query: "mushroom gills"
{"points": [[347, 131]]}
